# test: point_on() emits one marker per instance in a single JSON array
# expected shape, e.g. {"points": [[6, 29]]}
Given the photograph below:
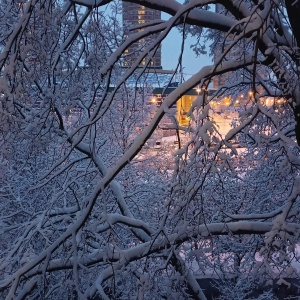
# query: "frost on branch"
{"points": [[90, 207]]}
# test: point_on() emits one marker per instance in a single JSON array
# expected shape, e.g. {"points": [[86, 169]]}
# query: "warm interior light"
{"points": [[153, 100], [198, 89], [279, 101]]}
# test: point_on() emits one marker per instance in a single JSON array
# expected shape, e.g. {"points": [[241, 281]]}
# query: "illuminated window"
{"points": [[141, 12], [141, 21]]}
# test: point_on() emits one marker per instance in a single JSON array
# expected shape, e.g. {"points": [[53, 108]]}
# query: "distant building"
{"points": [[136, 15], [224, 46], [183, 105], [221, 46]]}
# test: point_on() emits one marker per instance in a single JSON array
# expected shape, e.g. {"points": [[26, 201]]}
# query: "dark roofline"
{"points": [[193, 92]]}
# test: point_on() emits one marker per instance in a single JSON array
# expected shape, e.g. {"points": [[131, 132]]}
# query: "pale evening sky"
{"points": [[171, 49]]}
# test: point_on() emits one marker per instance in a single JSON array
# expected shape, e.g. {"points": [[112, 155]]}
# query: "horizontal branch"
{"points": [[160, 244]]}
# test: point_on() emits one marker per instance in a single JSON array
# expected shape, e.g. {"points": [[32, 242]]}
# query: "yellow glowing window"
{"points": [[141, 21], [141, 12]]}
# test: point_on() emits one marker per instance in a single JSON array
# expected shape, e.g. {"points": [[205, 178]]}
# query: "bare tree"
{"points": [[87, 210]]}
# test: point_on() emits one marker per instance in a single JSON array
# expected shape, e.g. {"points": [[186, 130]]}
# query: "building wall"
{"points": [[221, 46], [183, 106], [138, 15]]}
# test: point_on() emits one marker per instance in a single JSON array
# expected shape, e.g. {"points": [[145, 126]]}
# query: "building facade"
{"points": [[184, 104], [136, 15]]}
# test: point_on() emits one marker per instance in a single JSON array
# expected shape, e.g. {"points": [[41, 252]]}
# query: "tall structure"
{"points": [[233, 54], [219, 47], [135, 15]]}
